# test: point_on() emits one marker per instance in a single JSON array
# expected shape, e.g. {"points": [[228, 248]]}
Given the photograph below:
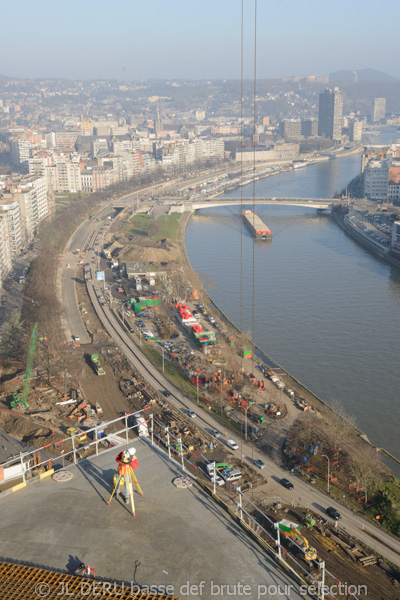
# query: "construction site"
{"points": [[257, 403]]}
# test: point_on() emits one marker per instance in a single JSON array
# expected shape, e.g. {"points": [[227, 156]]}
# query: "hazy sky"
{"points": [[196, 39]]}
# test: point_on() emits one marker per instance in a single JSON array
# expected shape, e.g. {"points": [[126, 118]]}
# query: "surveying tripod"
{"points": [[129, 479]]}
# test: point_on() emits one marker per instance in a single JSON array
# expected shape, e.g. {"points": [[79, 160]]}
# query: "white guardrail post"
{"points": [[181, 453], [169, 447], [21, 457], [127, 430], [239, 489], [73, 449], [278, 541], [322, 583], [151, 429], [96, 439]]}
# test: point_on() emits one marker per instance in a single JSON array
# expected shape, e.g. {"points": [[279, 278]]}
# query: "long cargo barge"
{"points": [[259, 230]]}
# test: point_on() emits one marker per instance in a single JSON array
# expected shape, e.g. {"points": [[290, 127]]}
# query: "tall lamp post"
{"points": [[329, 463]]}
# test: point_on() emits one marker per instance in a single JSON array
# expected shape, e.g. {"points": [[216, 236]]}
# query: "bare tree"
{"points": [[12, 337], [307, 430], [366, 467], [341, 426]]}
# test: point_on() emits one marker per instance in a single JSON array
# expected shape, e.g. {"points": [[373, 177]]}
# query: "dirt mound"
{"points": [[24, 429], [142, 249]]}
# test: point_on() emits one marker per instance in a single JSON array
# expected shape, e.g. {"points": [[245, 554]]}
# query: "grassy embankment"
{"points": [[166, 226]]}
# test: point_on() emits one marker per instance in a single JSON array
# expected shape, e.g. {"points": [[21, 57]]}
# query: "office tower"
{"points": [[330, 113], [378, 110]]}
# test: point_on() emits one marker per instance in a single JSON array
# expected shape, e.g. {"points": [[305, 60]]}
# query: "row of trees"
{"points": [[360, 463]]}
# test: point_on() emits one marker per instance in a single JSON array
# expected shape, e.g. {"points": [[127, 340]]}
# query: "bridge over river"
{"points": [[319, 203]]}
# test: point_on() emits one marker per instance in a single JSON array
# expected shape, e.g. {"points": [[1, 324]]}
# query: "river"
{"points": [[325, 309]]}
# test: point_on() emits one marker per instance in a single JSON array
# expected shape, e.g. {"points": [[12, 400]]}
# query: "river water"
{"points": [[325, 309]]}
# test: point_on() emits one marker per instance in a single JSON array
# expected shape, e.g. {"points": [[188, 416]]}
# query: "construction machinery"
{"points": [[80, 435], [97, 365], [310, 553], [21, 400], [308, 520]]}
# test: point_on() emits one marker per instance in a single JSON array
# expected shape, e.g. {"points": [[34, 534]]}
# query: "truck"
{"points": [[140, 426], [212, 473], [97, 365]]}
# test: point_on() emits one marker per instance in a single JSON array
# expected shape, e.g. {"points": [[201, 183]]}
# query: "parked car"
{"points": [[147, 332], [232, 444], [231, 474], [333, 513], [287, 484]]}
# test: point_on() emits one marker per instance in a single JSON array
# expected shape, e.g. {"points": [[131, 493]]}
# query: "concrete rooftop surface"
{"points": [[177, 535]]}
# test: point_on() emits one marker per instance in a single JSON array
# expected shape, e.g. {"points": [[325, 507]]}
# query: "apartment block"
{"points": [[5, 248], [11, 211], [355, 130], [376, 180], [20, 152]]}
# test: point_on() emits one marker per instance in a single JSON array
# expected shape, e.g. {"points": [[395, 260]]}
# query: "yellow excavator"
{"points": [[310, 553]]}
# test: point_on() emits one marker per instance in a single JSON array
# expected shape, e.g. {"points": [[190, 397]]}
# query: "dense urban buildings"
{"points": [[60, 138]]}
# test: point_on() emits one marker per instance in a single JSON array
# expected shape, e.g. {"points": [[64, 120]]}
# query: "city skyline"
{"points": [[177, 41]]}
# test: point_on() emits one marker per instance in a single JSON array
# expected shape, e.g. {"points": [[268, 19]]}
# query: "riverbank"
{"points": [[340, 219], [303, 391]]}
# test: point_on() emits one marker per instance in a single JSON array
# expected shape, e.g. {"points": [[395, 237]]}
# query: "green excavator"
{"points": [[20, 400]]}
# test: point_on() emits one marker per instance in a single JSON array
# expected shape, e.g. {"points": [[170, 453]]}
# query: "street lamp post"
{"points": [[329, 462]]}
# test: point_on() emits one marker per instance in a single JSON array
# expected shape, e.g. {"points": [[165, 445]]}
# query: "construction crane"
{"points": [[21, 400], [310, 553]]}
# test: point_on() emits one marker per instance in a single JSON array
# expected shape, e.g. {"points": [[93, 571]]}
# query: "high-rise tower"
{"points": [[157, 122], [330, 116], [378, 110]]}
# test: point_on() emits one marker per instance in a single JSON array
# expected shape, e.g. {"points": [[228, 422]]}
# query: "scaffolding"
{"points": [[22, 581]]}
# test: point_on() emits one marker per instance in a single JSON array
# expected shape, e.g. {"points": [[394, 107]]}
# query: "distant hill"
{"points": [[5, 78], [362, 76]]}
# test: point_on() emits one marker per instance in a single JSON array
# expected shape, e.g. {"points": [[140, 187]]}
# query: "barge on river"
{"points": [[259, 230]]}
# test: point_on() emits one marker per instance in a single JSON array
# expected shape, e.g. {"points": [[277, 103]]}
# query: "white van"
{"points": [[231, 474]]}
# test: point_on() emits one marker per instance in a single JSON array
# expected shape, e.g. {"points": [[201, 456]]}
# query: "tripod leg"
{"points": [[114, 490], [130, 487], [137, 483]]}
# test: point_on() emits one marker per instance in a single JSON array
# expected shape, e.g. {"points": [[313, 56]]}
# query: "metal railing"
{"points": [[232, 494], [72, 455]]}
